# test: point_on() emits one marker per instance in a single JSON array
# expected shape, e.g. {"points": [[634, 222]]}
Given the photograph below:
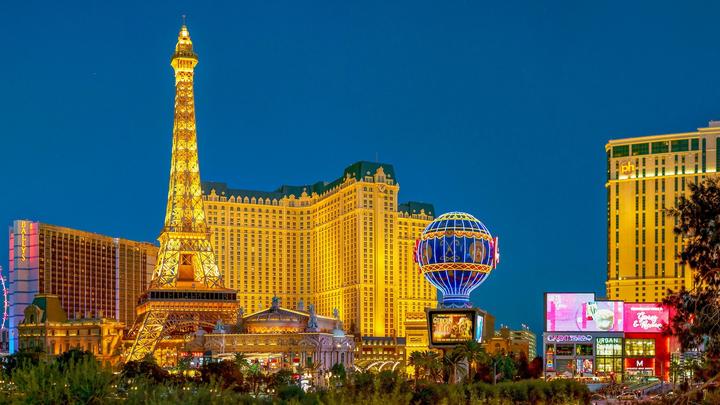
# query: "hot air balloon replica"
{"points": [[456, 253]]}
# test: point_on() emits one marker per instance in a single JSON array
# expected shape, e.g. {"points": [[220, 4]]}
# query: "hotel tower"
{"points": [[645, 176], [345, 244], [92, 274]]}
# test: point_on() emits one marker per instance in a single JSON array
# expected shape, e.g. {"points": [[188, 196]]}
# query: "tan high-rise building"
{"points": [[93, 275], [347, 244], [645, 176]]}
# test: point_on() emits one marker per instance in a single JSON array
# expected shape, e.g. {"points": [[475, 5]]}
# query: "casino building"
{"points": [[585, 337], [345, 244], [646, 175], [90, 273]]}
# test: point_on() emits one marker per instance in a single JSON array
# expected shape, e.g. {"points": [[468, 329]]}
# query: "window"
{"points": [[584, 350], [611, 346], [640, 149], [695, 144], [660, 147], [680, 145], [564, 350], [640, 347], [621, 151]]}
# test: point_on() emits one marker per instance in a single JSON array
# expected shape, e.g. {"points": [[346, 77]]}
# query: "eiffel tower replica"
{"points": [[186, 291]]}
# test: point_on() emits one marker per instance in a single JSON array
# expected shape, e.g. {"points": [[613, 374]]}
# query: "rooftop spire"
{"points": [[184, 46]]}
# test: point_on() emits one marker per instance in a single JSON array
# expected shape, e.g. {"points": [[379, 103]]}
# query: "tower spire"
{"points": [[186, 286]]}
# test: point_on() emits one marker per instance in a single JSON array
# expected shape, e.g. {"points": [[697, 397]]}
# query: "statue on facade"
{"points": [[312, 325], [275, 303], [301, 305], [219, 327], [338, 322]]}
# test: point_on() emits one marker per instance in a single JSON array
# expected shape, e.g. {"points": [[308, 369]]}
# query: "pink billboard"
{"points": [[579, 312], [645, 317]]}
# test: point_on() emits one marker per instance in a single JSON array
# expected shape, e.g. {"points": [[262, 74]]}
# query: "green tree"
{"points": [[696, 322], [338, 374], [416, 361], [87, 381], [433, 365], [454, 362], [475, 355], [241, 362], [72, 356], [21, 358], [281, 378], [144, 369], [225, 372]]}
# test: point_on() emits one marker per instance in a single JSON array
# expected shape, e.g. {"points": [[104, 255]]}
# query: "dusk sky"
{"points": [[500, 109]]}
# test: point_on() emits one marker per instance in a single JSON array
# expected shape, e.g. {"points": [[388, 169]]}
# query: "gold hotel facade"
{"points": [[646, 175], [347, 244]]}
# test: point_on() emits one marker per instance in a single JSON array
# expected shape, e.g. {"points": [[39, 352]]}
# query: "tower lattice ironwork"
{"points": [[186, 290]]}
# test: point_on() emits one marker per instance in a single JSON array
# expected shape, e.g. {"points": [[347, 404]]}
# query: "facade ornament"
{"points": [[275, 303], [312, 325], [301, 305], [219, 327]]}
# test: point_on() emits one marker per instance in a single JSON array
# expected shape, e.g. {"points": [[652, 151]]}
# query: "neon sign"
{"points": [[23, 241], [569, 338], [645, 317]]}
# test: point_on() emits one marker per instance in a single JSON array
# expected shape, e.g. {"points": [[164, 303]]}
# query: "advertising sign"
{"points": [[637, 364], [585, 366], [579, 312], [549, 363], [645, 317], [452, 327], [479, 328], [569, 338]]}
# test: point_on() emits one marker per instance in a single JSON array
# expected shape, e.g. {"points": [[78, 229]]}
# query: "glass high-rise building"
{"points": [[347, 244], [92, 274], [645, 176]]}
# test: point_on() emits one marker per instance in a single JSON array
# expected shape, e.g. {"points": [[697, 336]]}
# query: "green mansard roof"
{"points": [[414, 207], [356, 170]]}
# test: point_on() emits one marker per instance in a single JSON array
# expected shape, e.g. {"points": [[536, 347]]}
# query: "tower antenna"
{"points": [[184, 17]]}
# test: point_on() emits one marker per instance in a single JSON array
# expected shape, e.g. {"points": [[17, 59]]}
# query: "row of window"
{"points": [[678, 145]]}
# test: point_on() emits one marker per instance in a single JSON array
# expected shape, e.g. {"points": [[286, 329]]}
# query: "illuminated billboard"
{"points": [[479, 328], [579, 312], [645, 317], [453, 327]]}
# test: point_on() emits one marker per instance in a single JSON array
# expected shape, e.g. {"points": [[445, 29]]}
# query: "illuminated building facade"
{"points": [[515, 342], [645, 176], [347, 244], [90, 273], [526, 335], [281, 337], [45, 326]]}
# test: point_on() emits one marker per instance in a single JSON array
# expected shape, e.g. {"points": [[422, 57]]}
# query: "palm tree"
{"points": [[241, 361], [416, 361], [432, 365], [475, 355], [451, 361]]}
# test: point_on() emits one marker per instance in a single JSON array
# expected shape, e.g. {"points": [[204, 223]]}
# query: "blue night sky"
{"points": [[501, 109]]}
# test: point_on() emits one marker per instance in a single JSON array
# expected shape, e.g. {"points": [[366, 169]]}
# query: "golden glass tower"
{"points": [[186, 290], [346, 244], [645, 176]]}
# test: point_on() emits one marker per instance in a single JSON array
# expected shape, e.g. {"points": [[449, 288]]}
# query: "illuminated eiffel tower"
{"points": [[186, 290]]}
